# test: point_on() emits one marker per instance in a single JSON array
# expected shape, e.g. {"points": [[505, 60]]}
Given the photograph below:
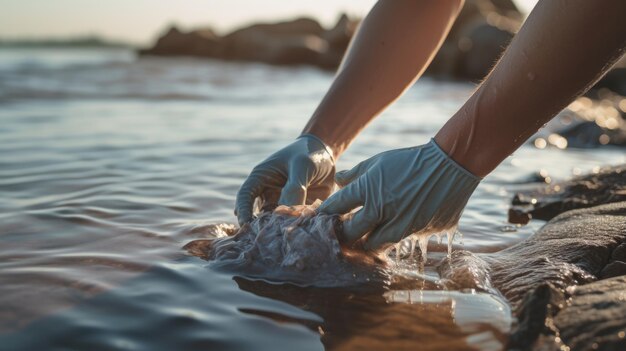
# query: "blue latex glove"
{"points": [[300, 173], [412, 190]]}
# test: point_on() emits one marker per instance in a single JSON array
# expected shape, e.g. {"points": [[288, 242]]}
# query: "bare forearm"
{"points": [[393, 46], [561, 50]]}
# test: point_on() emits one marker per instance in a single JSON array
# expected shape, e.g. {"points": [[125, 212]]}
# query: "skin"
{"points": [[562, 49], [536, 78], [409, 31], [395, 43]]}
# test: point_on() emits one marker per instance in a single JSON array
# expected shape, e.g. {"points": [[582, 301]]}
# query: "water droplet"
{"points": [[508, 229]]}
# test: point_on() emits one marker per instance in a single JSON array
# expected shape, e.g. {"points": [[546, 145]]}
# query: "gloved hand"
{"points": [[304, 171], [412, 190]]}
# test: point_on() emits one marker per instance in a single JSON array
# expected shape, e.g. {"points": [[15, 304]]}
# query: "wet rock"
{"points": [[573, 248], [537, 277], [619, 254], [594, 317], [586, 317], [543, 303], [613, 269], [606, 186], [541, 176]]}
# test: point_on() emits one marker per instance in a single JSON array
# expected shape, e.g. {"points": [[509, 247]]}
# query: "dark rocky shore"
{"points": [[567, 283], [476, 40], [607, 185]]}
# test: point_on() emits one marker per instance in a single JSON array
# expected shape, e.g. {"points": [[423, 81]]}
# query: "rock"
{"points": [[606, 186], [619, 253], [541, 176], [590, 134], [298, 26], [594, 316], [203, 43], [572, 248], [477, 39], [587, 123], [613, 269], [480, 48], [479, 35], [519, 216], [338, 39], [291, 42], [536, 307], [537, 275], [340, 35]]}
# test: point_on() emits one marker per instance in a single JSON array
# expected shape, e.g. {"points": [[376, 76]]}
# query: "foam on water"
{"points": [[406, 248]]}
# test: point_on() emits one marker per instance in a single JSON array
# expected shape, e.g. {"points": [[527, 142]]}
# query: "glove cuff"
{"points": [[321, 142], [447, 159]]}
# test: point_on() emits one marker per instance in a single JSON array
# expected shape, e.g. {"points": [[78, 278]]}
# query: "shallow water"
{"points": [[109, 165]]}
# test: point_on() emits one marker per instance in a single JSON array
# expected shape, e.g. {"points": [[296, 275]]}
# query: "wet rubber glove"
{"points": [[412, 190], [304, 171]]}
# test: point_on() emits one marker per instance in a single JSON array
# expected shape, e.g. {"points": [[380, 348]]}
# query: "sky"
{"points": [[141, 21]]}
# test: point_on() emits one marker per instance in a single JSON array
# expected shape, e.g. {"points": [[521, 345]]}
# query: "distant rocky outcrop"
{"points": [[302, 41], [201, 43], [595, 120], [476, 40], [478, 37]]}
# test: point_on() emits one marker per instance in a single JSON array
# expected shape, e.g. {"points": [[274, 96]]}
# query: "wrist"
{"points": [[334, 146], [467, 142], [322, 143], [452, 162]]}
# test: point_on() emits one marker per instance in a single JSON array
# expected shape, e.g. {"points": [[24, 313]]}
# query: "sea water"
{"points": [[110, 164]]}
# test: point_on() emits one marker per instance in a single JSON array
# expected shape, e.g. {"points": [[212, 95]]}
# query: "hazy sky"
{"points": [[140, 21]]}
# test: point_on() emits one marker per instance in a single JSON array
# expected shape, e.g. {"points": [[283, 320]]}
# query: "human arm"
{"points": [[394, 44], [561, 50]]}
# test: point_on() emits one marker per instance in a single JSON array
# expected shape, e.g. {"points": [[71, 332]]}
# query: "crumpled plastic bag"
{"points": [[294, 244]]}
